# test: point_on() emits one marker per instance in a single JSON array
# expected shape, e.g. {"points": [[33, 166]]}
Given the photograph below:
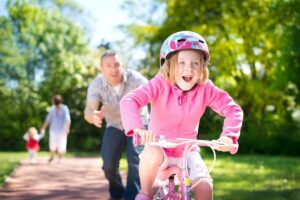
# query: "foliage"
{"points": [[254, 48], [42, 53], [8, 162]]}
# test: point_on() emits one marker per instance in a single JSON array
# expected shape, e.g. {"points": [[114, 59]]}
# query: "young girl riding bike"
{"points": [[179, 95]]}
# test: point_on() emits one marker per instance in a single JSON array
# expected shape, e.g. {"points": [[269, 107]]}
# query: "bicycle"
{"points": [[167, 189]]}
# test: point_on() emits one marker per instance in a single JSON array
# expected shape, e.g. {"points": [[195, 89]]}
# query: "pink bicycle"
{"points": [[174, 175]]}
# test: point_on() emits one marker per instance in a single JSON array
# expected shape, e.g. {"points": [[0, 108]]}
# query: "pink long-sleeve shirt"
{"points": [[175, 113]]}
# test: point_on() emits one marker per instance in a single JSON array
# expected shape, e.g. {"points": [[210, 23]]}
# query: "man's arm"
{"points": [[92, 115], [68, 119], [44, 127], [46, 122]]}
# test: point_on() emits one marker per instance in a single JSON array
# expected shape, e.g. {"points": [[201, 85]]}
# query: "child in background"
{"points": [[32, 137], [179, 95]]}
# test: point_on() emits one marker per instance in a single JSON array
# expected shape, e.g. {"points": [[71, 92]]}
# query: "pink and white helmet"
{"points": [[183, 40]]}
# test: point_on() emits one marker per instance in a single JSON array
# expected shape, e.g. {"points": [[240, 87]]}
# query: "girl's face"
{"points": [[187, 72], [32, 132]]}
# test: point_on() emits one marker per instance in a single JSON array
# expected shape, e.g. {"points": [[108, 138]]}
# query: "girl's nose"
{"points": [[188, 67]]}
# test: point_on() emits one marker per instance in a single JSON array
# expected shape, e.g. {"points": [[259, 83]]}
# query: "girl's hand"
{"points": [[146, 135], [98, 117], [226, 140]]}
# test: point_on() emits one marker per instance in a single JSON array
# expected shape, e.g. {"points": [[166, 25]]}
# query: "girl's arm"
{"points": [[224, 105], [25, 136], [145, 135], [41, 135], [38, 137], [132, 102]]}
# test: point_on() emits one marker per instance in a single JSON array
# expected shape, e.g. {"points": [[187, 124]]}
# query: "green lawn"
{"points": [[256, 177], [9, 160], [240, 177]]}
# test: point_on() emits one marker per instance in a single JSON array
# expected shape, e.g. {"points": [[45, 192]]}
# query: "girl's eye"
{"points": [[196, 65]]}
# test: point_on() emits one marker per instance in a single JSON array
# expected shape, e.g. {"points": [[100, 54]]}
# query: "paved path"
{"points": [[74, 178]]}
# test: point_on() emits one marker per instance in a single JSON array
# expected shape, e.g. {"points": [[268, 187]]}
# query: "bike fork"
{"points": [[172, 194], [184, 189]]}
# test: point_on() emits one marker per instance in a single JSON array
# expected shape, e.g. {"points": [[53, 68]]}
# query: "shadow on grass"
{"points": [[293, 194]]}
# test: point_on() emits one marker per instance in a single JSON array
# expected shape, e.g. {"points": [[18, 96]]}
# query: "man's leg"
{"points": [[111, 151], [52, 145], [62, 146], [133, 180]]}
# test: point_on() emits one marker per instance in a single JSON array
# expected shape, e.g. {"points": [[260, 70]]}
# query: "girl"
{"points": [[32, 137], [179, 95]]}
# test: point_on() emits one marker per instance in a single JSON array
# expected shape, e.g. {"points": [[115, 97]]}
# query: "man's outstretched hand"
{"points": [[98, 116]]}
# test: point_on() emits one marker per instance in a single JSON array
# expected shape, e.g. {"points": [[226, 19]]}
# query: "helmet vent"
{"points": [[183, 40]]}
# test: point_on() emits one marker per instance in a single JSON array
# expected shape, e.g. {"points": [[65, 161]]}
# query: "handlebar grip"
{"points": [[217, 145]]}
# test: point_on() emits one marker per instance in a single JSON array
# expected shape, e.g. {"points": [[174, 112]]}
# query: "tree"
{"points": [[42, 53], [248, 59]]}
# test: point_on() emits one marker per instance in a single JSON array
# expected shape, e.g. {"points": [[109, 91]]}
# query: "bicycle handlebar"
{"points": [[175, 142]]}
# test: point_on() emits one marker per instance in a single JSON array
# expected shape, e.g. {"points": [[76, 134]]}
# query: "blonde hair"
{"points": [[32, 131], [169, 68]]}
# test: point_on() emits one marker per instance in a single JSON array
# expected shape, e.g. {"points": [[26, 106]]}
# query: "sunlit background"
{"points": [[53, 46]]}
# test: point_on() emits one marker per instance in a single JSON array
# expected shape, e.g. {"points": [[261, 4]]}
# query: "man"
{"points": [[60, 121], [108, 88]]}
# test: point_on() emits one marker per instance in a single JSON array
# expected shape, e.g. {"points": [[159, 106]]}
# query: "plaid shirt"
{"points": [[100, 90]]}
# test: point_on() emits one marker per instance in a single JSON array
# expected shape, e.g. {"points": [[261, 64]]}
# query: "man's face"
{"points": [[112, 69], [57, 101]]}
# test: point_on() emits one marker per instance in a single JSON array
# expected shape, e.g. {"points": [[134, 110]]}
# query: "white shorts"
{"points": [[196, 166], [58, 142]]}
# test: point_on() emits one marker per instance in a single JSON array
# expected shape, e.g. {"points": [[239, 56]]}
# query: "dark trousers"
{"points": [[114, 140]]}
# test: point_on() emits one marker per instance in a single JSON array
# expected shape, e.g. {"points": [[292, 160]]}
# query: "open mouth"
{"points": [[114, 75], [187, 78]]}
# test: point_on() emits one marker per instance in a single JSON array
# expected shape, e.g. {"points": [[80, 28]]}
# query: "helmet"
{"points": [[183, 40]]}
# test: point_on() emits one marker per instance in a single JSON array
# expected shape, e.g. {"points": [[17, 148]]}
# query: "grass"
{"points": [[8, 161], [240, 177], [256, 177]]}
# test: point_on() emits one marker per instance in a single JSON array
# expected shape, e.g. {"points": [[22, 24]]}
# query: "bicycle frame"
{"points": [[184, 188], [183, 192]]}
